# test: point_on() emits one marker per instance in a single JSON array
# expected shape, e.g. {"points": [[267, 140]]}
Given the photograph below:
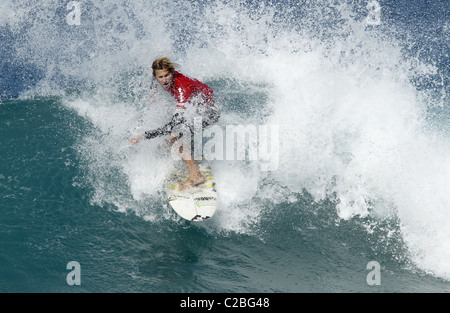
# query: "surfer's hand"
{"points": [[171, 140], [135, 140]]}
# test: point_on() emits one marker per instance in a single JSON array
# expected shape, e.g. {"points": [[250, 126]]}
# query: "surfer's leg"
{"points": [[195, 175]]}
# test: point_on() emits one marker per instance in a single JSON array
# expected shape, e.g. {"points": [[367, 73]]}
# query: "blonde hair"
{"points": [[163, 63]]}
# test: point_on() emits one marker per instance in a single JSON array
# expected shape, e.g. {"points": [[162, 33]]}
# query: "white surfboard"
{"points": [[197, 203]]}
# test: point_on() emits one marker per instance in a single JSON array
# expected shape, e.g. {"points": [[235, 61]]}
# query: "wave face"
{"points": [[358, 93]]}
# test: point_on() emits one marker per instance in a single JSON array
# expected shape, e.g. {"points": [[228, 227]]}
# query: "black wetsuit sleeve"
{"points": [[177, 119]]}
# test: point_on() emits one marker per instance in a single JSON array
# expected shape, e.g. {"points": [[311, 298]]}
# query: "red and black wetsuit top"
{"points": [[185, 88]]}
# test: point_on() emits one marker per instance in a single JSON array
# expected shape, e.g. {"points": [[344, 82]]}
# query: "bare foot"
{"points": [[192, 181]]}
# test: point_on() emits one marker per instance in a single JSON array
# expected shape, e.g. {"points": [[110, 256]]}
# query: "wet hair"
{"points": [[163, 63]]}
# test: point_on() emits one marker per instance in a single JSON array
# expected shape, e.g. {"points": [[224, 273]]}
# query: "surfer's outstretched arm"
{"points": [[176, 120]]}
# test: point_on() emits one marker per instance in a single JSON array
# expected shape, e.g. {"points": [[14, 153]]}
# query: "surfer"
{"points": [[189, 94]]}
